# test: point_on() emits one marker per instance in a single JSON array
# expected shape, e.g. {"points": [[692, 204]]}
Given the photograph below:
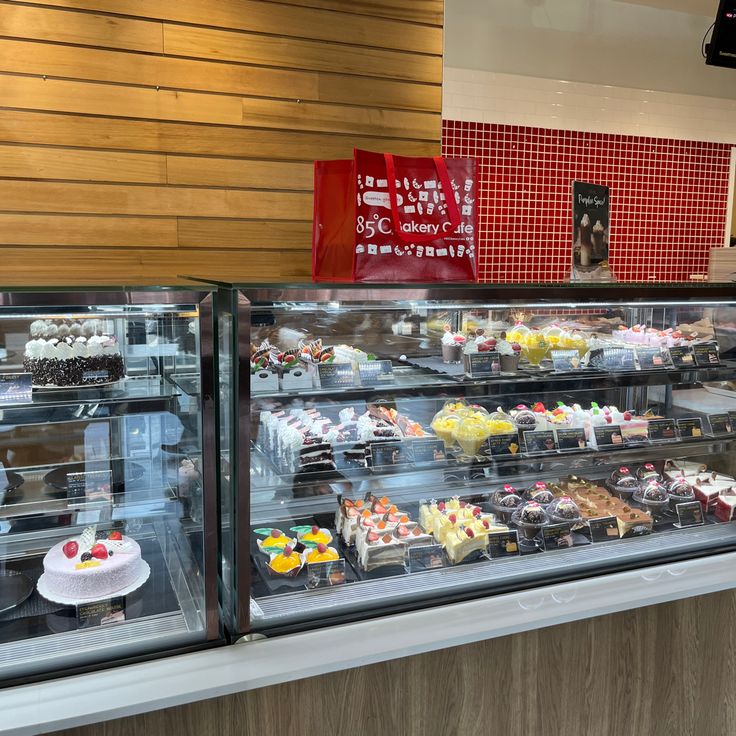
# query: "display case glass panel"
{"points": [[409, 445], [108, 534]]}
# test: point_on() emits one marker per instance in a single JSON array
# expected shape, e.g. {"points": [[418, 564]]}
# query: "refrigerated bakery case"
{"points": [[402, 447], [108, 504]]}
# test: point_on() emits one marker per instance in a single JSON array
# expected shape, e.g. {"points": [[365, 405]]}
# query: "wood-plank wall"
{"points": [[666, 670], [141, 139]]}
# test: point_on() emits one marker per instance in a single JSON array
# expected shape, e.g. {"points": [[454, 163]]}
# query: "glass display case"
{"points": [[108, 499], [402, 447]]}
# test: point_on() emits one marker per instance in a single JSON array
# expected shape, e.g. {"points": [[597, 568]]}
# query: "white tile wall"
{"points": [[492, 97]]}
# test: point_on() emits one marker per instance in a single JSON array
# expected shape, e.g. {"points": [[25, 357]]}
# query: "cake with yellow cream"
{"points": [[287, 562], [322, 553]]}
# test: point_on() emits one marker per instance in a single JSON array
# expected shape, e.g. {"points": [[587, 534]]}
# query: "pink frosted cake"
{"points": [[91, 567]]}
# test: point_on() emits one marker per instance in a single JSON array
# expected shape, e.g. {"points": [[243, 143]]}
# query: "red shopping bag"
{"points": [[385, 218]]}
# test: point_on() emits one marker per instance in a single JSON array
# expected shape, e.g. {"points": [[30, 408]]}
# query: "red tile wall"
{"points": [[668, 199]]}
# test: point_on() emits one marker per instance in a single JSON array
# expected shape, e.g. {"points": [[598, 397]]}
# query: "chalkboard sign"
{"points": [[706, 354], [608, 435], [101, 613], [503, 544], [603, 529], [690, 428], [502, 444], [15, 388], [571, 438], [428, 451], [482, 365], [388, 454], [651, 358], [720, 424], [613, 359], [336, 375], [682, 356], [375, 373], [662, 430], [564, 361], [424, 557], [326, 574], [540, 442]]}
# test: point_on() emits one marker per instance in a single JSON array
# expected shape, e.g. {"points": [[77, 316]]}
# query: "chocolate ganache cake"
{"points": [[72, 354]]}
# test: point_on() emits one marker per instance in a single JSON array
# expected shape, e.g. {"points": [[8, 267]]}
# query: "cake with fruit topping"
{"points": [[72, 354], [93, 566], [463, 541]]}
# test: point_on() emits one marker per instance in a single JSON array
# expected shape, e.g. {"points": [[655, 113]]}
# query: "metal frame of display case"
{"points": [[332, 606], [118, 639]]}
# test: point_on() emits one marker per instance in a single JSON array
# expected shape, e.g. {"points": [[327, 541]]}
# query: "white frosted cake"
{"points": [[72, 354], [92, 567]]}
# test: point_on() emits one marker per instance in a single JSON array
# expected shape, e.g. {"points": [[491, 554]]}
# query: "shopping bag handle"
{"points": [[453, 211]]}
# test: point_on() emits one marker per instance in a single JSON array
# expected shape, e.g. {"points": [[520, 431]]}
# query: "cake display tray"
{"points": [[57, 478], [76, 386], [15, 587], [65, 601]]}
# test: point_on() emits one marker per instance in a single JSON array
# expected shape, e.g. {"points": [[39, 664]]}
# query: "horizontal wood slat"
{"points": [[73, 230], [340, 119], [104, 65], [221, 172], [18, 126], [276, 19], [110, 266], [137, 102], [132, 102], [40, 162], [294, 53], [430, 12], [115, 199], [48, 24], [195, 233]]}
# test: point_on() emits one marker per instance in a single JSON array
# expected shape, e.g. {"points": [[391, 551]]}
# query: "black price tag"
{"points": [[101, 613], [326, 574], [651, 358], [336, 375], [424, 557], [662, 430], [603, 529], [375, 373], [503, 544], [689, 514], [428, 451], [502, 444], [540, 442], [614, 359], [608, 435], [564, 361], [706, 353], [557, 536], [388, 454], [93, 485], [720, 424], [482, 365], [690, 428], [571, 438], [15, 388], [682, 356]]}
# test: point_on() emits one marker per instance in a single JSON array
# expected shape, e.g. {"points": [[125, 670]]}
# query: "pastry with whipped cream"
{"points": [[72, 354]]}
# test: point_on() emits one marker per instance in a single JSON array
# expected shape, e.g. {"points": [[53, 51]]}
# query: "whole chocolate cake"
{"points": [[72, 354]]}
